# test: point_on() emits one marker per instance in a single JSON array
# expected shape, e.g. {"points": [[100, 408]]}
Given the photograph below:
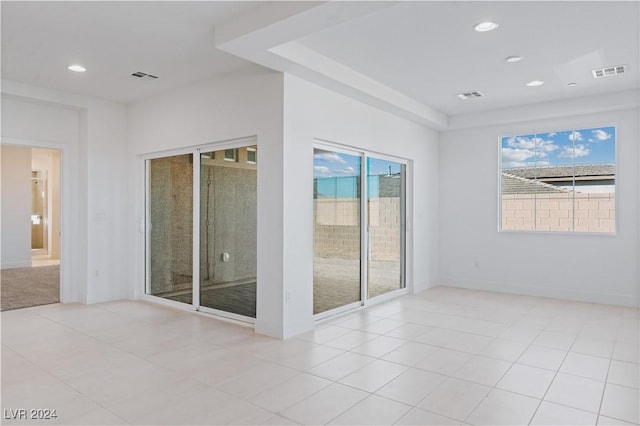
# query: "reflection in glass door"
{"points": [[336, 230], [228, 230], [170, 230], [223, 186], [386, 226], [350, 268]]}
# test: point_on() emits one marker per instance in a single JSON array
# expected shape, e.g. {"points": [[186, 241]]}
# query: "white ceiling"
{"points": [[113, 39], [429, 51], [410, 58]]}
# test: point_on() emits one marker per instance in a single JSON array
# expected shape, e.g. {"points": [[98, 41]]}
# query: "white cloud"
{"points": [[321, 170], [575, 136], [349, 170], [516, 154], [582, 151], [601, 135], [531, 143], [330, 157], [546, 146], [520, 142], [552, 134], [576, 151]]}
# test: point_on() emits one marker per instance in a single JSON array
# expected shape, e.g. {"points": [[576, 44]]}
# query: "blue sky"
{"points": [[595, 145], [327, 164], [333, 164]]}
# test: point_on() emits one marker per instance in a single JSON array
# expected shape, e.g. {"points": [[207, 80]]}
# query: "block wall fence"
{"points": [[559, 212], [337, 231]]}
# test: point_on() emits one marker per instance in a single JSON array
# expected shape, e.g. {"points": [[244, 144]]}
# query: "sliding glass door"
{"points": [[222, 183], [170, 227], [228, 221], [386, 226], [337, 208], [358, 248]]}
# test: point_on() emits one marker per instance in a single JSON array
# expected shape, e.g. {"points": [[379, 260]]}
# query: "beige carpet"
{"points": [[25, 287]]}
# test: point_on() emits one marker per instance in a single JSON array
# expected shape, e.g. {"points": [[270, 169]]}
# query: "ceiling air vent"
{"points": [[609, 71], [469, 95], [144, 76]]}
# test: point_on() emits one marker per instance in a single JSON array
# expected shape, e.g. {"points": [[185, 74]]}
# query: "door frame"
{"points": [[65, 290], [195, 151], [364, 155]]}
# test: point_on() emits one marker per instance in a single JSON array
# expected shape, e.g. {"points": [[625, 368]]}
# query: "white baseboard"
{"points": [[418, 287], [270, 329], [541, 291]]}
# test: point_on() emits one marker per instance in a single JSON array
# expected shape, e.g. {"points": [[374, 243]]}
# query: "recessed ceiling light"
{"points": [[76, 68], [572, 84], [513, 59], [485, 26], [535, 83]]}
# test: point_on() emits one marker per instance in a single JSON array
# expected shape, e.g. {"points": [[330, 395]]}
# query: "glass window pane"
{"points": [[385, 201], [562, 182], [170, 237], [336, 243], [228, 229], [519, 185]]}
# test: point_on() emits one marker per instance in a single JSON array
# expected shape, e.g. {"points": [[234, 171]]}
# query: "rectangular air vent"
{"points": [[469, 95], [609, 71], [144, 75]]}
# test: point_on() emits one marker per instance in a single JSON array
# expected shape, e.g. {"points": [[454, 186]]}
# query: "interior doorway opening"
{"points": [[31, 218]]}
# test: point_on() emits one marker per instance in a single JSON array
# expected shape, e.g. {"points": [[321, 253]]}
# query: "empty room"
{"points": [[332, 212]]}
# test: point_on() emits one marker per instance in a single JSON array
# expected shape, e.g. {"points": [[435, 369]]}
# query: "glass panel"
{"points": [[385, 202], [336, 230], [170, 237], [38, 209], [228, 229], [521, 159], [595, 180], [560, 181], [252, 156]]}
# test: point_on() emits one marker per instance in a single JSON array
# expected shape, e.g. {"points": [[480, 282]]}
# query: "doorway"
{"points": [[45, 207], [31, 217], [359, 228], [201, 228]]}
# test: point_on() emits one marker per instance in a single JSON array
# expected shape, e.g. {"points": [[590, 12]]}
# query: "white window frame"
{"points": [[569, 129]]}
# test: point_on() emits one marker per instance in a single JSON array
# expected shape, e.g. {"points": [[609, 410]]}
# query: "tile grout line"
{"points": [[64, 382], [552, 380]]}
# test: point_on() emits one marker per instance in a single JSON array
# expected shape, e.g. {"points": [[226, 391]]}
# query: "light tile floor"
{"points": [[444, 356]]}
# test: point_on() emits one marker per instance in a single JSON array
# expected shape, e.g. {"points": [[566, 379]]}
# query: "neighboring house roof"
{"points": [[579, 170], [512, 184]]}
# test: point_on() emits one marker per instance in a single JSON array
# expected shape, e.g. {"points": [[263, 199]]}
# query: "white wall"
{"points": [[252, 104], [593, 268], [240, 105], [91, 134], [311, 112], [16, 207]]}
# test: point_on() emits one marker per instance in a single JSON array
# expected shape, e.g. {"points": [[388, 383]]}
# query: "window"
{"points": [[559, 181], [252, 155], [231, 154]]}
